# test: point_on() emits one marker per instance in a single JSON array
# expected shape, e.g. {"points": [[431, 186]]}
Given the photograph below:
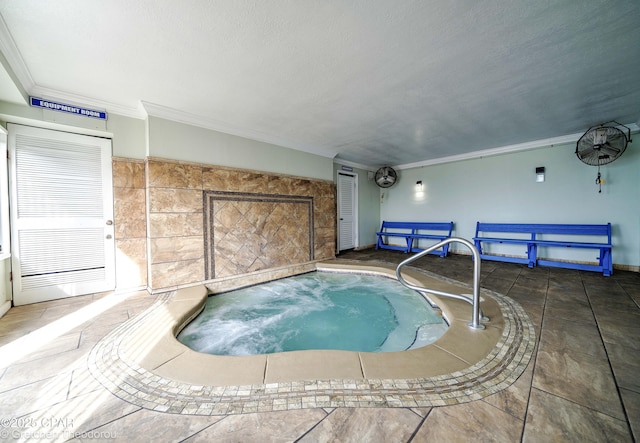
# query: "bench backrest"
{"points": [[416, 226], [440, 226], [534, 228]]}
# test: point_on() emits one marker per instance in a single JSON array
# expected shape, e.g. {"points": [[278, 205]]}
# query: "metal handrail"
{"points": [[476, 313]]}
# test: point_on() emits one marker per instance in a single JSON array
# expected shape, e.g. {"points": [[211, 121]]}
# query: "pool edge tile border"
{"points": [[113, 363]]}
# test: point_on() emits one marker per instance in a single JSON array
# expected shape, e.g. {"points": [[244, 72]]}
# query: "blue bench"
{"points": [[411, 233], [546, 235]]}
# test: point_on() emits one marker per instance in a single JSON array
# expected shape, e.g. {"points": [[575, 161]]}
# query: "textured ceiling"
{"points": [[372, 82]]}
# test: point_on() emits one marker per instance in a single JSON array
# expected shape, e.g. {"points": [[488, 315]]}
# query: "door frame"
{"points": [[354, 208], [29, 296]]}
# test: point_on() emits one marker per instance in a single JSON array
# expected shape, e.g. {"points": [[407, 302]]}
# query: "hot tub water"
{"points": [[319, 310]]}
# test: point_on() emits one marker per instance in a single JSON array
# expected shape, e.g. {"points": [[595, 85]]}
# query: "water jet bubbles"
{"points": [[319, 310]]}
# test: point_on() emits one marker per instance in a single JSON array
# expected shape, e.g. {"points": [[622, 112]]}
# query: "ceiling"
{"points": [[372, 82]]}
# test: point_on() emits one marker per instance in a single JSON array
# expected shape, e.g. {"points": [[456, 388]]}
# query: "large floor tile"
{"points": [[627, 316], [566, 281], [569, 311], [24, 323], [95, 332], [621, 333], [530, 278], [626, 366], [82, 382], [476, 421], [570, 337], [365, 425], [77, 416], [500, 285], [607, 303], [631, 402], [22, 374], [145, 426], [34, 397], [264, 427], [567, 293], [580, 378], [524, 293], [631, 287], [554, 419], [506, 272], [34, 351]]}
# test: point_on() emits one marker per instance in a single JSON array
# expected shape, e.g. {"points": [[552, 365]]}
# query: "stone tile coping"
{"points": [[143, 363]]}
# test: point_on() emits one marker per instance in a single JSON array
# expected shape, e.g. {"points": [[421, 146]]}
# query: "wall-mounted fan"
{"points": [[386, 177], [601, 145]]}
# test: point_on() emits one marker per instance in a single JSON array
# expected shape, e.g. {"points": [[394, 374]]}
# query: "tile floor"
{"points": [[582, 384]]}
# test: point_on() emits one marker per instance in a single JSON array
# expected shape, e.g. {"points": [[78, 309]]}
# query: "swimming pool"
{"points": [[318, 310]]}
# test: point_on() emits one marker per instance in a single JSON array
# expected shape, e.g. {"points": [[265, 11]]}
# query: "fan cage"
{"points": [[602, 144], [385, 177]]}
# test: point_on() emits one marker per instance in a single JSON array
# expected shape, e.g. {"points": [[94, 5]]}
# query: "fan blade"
{"points": [[612, 149], [589, 156], [614, 134]]}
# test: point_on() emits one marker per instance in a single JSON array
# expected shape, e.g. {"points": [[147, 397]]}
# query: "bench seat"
{"points": [[411, 233], [534, 240]]}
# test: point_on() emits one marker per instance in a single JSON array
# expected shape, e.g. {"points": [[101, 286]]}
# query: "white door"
{"points": [[61, 214], [347, 211]]}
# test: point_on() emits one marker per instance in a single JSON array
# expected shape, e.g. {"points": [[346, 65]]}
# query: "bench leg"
{"points": [[478, 247], [532, 254], [606, 262]]}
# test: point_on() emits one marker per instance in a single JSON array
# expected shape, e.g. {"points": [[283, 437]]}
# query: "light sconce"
{"points": [[419, 186], [540, 174]]}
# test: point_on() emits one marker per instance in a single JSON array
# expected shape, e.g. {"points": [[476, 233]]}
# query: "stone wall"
{"points": [[207, 222], [130, 222]]}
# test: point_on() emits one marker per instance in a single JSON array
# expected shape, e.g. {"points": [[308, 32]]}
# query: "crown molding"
{"points": [[175, 115], [25, 81], [634, 127], [509, 149], [13, 57]]}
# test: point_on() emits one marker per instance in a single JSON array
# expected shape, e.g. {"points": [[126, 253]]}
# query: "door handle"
{"points": [[109, 222]]}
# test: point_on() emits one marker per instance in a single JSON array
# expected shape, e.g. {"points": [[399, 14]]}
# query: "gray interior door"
{"points": [[347, 218]]}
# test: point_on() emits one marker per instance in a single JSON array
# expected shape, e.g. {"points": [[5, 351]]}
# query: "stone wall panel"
{"points": [[255, 222], [130, 223]]}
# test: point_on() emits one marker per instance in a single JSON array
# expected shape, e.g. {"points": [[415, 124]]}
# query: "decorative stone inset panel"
{"points": [[247, 232], [250, 231]]}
